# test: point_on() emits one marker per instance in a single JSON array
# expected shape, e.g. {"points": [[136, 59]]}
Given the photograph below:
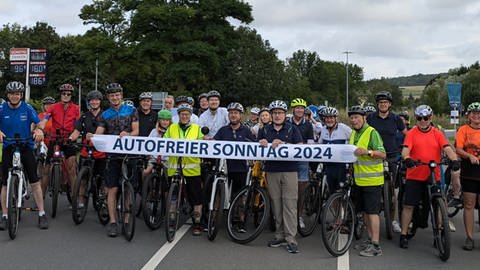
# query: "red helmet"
{"points": [[66, 87]]}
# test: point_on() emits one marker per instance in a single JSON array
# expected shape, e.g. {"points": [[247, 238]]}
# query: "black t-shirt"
{"points": [[146, 122], [388, 129], [242, 134], [306, 129], [87, 123]]}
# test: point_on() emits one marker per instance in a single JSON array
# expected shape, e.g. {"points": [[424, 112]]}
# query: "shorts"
{"points": [[302, 171], [368, 199], [68, 151], [194, 190], [415, 192], [470, 186], [113, 171], [28, 161]]}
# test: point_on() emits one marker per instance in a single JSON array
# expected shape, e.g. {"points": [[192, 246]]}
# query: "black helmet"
{"points": [[181, 99], [202, 95], [48, 100], [15, 87], [214, 93], [404, 115], [383, 95], [356, 109], [114, 88], [95, 94]]}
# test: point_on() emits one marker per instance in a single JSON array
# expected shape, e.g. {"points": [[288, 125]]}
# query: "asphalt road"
{"points": [[86, 246]]}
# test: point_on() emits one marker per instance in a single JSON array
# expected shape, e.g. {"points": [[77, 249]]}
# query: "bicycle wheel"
{"points": [[172, 214], [81, 195], [128, 211], [153, 201], [215, 214], [101, 201], [311, 211], [387, 207], [338, 220], [13, 209], [248, 214], [55, 178], [441, 230]]}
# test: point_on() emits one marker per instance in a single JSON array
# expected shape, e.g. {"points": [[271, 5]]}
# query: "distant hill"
{"points": [[412, 80]]}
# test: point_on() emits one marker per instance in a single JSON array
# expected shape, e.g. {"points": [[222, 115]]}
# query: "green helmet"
{"points": [[298, 102], [165, 114], [474, 107]]}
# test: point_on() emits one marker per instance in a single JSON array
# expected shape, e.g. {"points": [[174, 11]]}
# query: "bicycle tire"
{"points": [[215, 214], [441, 233], [245, 200], [13, 210], [94, 192], [101, 202], [387, 207], [153, 201], [311, 210], [172, 211], [83, 180], [55, 177], [333, 227], [128, 210]]}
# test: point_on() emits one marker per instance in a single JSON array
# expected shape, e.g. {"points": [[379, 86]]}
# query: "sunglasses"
{"points": [[66, 94], [424, 118]]}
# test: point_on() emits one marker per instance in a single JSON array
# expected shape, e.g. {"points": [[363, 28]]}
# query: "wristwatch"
{"points": [[370, 153]]}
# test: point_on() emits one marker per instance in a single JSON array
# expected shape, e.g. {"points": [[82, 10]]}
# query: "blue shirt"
{"points": [[339, 135], [242, 134], [289, 134], [388, 129], [18, 121], [115, 121]]}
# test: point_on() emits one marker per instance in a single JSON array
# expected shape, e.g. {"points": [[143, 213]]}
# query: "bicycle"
{"points": [[249, 210], [219, 199], [338, 219], [16, 187], [87, 183], [316, 194], [387, 195], [153, 196]]}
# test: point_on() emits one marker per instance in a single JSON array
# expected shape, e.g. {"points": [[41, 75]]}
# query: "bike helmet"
{"points": [[321, 110], [473, 107], [145, 95], [202, 95], [356, 109], [184, 107], [383, 95], [95, 94], [255, 110], [114, 88], [314, 111], [213, 93], [307, 111], [423, 110], [235, 106], [129, 103], [181, 99], [404, 115], [15, 87], [165, 114], [264, 109], [298, 102], [330, 111], [190, 100], [278, 104], [66, 87], [370, 109]]}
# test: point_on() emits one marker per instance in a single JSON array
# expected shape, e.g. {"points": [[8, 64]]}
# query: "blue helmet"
{"points": [[314, 111]]}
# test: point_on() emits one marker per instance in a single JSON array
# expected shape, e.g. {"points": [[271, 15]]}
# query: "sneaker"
{"points": [[468, 244], [241, 227], [3, 224], [456, 202], [277, 242], [301, 223], [197, 230], [403, 241], [362, 245], [451, 226], [42, 222], [371, 251], [396, 227], [292, 248], [112, 229]]}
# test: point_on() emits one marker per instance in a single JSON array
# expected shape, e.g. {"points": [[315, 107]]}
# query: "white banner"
{"points": [[223, 149]]}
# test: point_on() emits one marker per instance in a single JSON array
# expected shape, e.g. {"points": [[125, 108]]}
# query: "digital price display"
{"points": [[18, 67], [38, 55], [38, 79], [38, 67]]}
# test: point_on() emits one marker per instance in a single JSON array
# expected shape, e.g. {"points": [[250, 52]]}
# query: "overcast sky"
{"points": [[387, 37]]}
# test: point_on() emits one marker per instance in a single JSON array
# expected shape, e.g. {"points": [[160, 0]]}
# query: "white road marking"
{"points": [[343, 262], [165, 249]]}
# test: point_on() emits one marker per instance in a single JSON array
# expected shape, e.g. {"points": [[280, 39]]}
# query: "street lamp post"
{"points": [[346, 78]]}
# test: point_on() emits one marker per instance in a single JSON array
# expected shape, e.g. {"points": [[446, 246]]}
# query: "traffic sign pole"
{"points": [[27, 77]]}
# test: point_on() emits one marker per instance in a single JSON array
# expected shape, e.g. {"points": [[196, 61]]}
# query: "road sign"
{"points": [[454, 94], [18, 54]]}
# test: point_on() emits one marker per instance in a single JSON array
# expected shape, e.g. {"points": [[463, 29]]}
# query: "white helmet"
{"points": [[278, 104]]}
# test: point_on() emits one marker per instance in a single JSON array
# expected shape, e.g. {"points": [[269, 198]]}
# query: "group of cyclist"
{"points": [[378, 134]]}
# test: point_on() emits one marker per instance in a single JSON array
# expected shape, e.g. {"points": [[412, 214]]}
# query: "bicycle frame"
{"points": [[17, 168], [221, 176]]}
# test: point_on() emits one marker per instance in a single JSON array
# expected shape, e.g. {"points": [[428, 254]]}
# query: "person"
{"points": [[388, 125], [253, 120], [468, 149], [368, 174], [122, 120], [235, 131], [183, 100], [63, 114], [203, 103], [400, 136], [215, 117], [147, 118], [16, 118], [48, 131], [422, 143], [187, 130], [334, 133], [168, 103], [164, 121], [264, 119], [282, 177], [369, 109], [298, 106]]}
